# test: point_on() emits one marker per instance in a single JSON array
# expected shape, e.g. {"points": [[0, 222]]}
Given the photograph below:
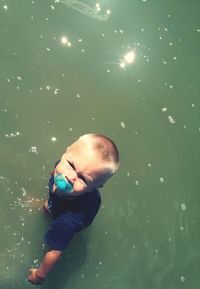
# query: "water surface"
{"points": [[63, 74]]}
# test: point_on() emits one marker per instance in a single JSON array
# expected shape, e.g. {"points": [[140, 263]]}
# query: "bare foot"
{"points": [[46, 209]]}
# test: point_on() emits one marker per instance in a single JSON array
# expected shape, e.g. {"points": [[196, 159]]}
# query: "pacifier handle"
{"points": [[62, 183]]}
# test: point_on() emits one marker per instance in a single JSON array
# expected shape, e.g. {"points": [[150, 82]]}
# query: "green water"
{"points": [[146, 235]]}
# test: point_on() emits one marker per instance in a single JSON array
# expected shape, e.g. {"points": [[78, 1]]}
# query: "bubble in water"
{"points": [[171, 120], [11, 135], [23, 192], [123, 124], [183, 207], [56, 91], [182, 279], [33, 149], [162, 180], [35, 261]]}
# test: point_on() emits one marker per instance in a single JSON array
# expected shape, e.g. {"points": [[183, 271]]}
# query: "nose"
{"points": [[71, 176]]}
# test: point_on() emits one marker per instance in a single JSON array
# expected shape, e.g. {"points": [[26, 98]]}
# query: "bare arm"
{"points": [[49, 260]]}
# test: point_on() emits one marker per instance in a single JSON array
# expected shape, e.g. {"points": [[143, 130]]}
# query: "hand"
{"points": [[34, 278]]}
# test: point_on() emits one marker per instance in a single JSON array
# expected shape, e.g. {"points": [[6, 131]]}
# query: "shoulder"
{"points": [[94, 197], [92, 206]]}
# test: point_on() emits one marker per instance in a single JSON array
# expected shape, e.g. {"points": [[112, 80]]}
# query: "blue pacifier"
{"points": [[62, 183]]}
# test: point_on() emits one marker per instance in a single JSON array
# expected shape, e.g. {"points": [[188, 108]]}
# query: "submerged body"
{"points": [[70, 213], [87, 164]]}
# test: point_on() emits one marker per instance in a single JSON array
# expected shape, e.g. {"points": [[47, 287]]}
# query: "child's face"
{"points": [[82, 167]]}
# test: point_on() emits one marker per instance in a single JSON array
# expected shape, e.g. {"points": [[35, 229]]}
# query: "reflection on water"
{"points": [[86, 9], [134, 78]]}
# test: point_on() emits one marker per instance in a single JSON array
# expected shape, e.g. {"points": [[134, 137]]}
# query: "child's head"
{"points": [[89, 162]]}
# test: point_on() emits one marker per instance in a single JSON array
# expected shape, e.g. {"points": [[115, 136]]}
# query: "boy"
{"points": [[74, 199]]}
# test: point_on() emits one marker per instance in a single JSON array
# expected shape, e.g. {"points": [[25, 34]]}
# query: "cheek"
{"points": [[59, 168], [79, 187]]}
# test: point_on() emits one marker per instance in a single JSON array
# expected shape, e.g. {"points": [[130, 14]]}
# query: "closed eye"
{"points": [[79, 175], [83, 178], [71, 165]]}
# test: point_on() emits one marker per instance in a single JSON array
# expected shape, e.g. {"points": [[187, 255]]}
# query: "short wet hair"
{"points": [[106, 148]]}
